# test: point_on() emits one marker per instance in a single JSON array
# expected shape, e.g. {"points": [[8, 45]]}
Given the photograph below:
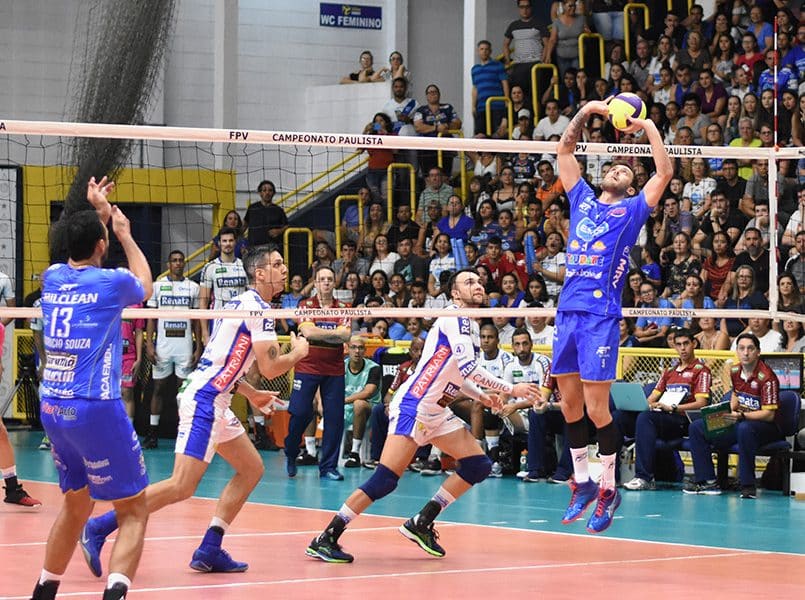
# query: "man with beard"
{"points": [[585, 345]]}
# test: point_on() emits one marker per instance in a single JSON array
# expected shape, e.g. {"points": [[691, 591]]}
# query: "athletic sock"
{"points": [[9, 472], [356, 445], [580, 466], [608, 472], [310, 444], [117, 586], [45, 576], [154, 421]]}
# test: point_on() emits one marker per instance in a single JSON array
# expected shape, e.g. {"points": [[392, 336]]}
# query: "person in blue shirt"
{"points": [[488, 79], [93, 443], [585, 348]]}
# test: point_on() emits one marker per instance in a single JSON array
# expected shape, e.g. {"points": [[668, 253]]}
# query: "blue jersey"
{"points": [[597, 256], [81, 310]]}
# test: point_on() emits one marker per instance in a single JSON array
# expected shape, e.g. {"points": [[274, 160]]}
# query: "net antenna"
{"points": [[117, 59]]}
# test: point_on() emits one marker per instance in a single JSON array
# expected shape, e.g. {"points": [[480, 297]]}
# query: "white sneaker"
{"points": [[522, 474], [497, 470], [638, 485]]}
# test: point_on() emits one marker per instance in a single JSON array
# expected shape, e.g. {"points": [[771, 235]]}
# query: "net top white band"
{"points": [[352, 140]]}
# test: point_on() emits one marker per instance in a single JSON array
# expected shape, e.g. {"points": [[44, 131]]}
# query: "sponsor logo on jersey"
{"points": [[587, 230], [240, 350], [617, 212], [432, 369], [175, 301], [599, 246], [231, 282], [61, 362], [584, 259], [574, 245], [451, 390], [464, 326]]}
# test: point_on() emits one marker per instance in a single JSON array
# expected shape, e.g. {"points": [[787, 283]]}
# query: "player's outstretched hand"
{"points": [[599, 107], [638, 124], [299, 345], [120, 224], [265, 401], [97, 195], [528, 391], [492, 400]]}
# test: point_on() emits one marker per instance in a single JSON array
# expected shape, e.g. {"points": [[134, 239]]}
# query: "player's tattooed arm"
{"points": [[567, 142], [273, 352]]}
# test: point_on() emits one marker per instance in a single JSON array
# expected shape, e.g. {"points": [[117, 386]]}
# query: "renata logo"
{"points": [[240, 351], [429, 372]]}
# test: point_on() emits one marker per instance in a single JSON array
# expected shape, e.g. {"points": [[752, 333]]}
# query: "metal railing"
{"points": [[509, 112], [535, 95], [287, 249], [461, 158], [626, 25], [592, 36], [390, 187]]}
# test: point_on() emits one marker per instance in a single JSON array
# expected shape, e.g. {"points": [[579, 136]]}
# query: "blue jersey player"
{"points": [[94, 446], [207, 425], [418, 415], [585, 342]]}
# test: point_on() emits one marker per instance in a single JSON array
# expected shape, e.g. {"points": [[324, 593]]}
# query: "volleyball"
{"points": [[623, 106]]}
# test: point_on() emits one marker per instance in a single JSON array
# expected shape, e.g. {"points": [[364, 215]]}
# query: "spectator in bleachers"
{"points": [[741, 84], [692, 297], [626, 338], [796, 262], [762, 223], [712, 96], [349, 262], [456, 224], [600, 89], [546, 419], [710, 338], [657, 114], [788, 297], [511, 295], [766, 117], [442, 260], [291, 300], [366, 72], [488, 79], [551, 265], [541, 333], [793, 336], [678, 265], [795, 224], [666, 418], [323, 257], [760, 29], [608, 18], [397, 69], [717, 266], [478, 192], [471, 252], [378, 287], [786, 110], [524, 130], [374, 225], [723, 56], [730, 120], [347, 292], [232, 220], [640, 67], [744, 295], [403, 227], [770, 340], [650, 257], [683, 83], [552, 123], [436, 189], [424, 245], [746, 139], [673, 113], [550, 186], [751, 110], [411, 266], [714, 136], [584, 85], [750, 56], [696, 196], [524, 166], [695, 54], [498, 262], [731, 184], [382, 258], [400, 108], [631, 291], [756, 256], [535, 223], [485, 165], [398, 292], [757, 188], [485, 277], [432, 119], [693, 117], [379, 158], [519, 102], [524, 46], [616, 73], [673, 222], [564, 37], [504, 194], [265, 221], [361, 393], [440, 300], [511, 229], [651, 331], [536, 291]]}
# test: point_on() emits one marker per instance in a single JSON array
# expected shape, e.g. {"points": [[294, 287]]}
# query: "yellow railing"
{"points": [[390, 183], [535, 95], [627, 25], [337, 205], [342, 175], [509, 112], [592, 36], [298, 190], [287, 247], [461, 158]]}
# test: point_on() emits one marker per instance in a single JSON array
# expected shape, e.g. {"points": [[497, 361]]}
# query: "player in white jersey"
{"points": [[418, 415], [494, 360], [207, 424], [169, 342], [528, 368], [222, 278]]}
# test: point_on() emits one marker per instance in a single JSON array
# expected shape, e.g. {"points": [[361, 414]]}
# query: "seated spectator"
{"points": [[436, 190], [541, 333], [398, 292], [511, 229], [744, 297], [456, 224], [414, 329], [524, 130], [485, 165], [639, 67], [651, 331], [650, 257], [751, 55], [323, 257], [374, 225], [626, 338], [536, 291], [793, 336], [397, 69], [362, 379], [558, 221], [382, 259], [552, 264], [379, 158], [695, 54], [679, 264], [411, 266], [366, 72], [715, 137], [442, 260], [497, 262], [753, 403], [631, 291], [710, 338], [424, 244], [661, 90], [400, 107], [760, 29], [348, 291], [616, 58], [550, 186], [731, 184], [683, 83], [692, 297], [666, 419], [755, 256], [730, 120], [747, 139], [696, 195], [478, 192], [757, 188], [796, 263], [717, 266], [723, 53], [350, 262], [761, 223], [511, 296], [770, 339], [378, 287], [403, 227], [440, 300], [673, 221], [504, 194], [232, 220], [432, 119], [291, 300], [693, 118], [552, 123]]}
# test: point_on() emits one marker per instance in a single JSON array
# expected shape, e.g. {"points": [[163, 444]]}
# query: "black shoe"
{"points": [[45, 591], [327, 549], [117, 592], [424, 537], [353, 462], [306, 460], [748, 492], [417, 465], [151, 441], [261, 439], [432, 467], [17, 495]]}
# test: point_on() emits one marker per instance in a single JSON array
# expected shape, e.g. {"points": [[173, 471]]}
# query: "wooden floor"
{"points": [[503, 540]]}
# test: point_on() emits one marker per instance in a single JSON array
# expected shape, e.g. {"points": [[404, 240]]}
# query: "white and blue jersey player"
{"points": [[206, 423], [418, 415], [585, 343], [93, 443]]}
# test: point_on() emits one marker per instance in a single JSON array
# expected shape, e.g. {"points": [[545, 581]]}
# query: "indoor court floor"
{"points": [[503, 539]]}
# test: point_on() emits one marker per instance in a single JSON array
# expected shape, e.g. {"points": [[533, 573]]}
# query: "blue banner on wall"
{"points": [[351, 16]]}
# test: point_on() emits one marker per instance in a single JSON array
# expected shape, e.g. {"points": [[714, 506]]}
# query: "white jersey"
{"points": [[450, 357], [6, 289], [496, 365], [229, 354], [174, 336], [225, 280], [516, 372]]}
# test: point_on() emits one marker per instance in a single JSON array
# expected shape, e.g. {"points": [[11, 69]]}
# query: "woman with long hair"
{"points": [[714, 136], [378, 286], [793, 336], [710, 338], [724, 57], [717, 267], [348, 292], [536, 291], [657, 114], [692, 297], [398, 292], [729, 120], [684, 263], [744, 297], [696, 194], [382, 258], [672, 114], [442, 260], [511, 296], [503, 196], [631, 291], [374, 225], [486, 225], [750, 54], [511, 230], [478, 192], [750, 110], [788, 296]]}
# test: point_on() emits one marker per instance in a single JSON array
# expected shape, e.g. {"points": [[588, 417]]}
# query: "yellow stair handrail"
{"points": [[337, 205], [535, 95], [626, 26], [586, 36], [286, 249], [439, 161], [412, 185], [509, 109], [321, 175]]}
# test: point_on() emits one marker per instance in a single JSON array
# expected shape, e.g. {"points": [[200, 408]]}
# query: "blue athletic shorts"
{"points": [[93, 444], [586, 344]]}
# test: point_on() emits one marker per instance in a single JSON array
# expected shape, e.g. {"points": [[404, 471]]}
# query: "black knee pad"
{"points": [[474, 469], [382, 482]]}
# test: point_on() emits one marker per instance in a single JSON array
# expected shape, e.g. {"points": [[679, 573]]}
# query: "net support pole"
{"points": [[773, 202]]}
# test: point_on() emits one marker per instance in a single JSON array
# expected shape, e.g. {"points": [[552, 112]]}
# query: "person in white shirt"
{"points": [[770, 339], [528, 368], [222, 279], [553, 123], [541, 333]]}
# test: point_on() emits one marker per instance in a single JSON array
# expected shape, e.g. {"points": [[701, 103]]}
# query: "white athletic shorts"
{"points": [[164, 366], [426, 425], [203, 426]]}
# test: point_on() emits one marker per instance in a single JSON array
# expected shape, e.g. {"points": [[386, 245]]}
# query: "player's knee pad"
{"points": [[382, 482], [474, 469], [492, 421]]}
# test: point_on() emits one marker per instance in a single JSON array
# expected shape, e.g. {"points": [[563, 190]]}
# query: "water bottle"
{"points": [[524, 460]]}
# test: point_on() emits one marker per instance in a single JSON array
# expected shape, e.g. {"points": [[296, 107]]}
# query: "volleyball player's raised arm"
{"points": [[569, 171], [663, 166]]}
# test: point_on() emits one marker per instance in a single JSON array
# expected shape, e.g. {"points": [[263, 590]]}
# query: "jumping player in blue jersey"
{"points": [[418, 415], [585, 342], [93, 443], [207, 424]]}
